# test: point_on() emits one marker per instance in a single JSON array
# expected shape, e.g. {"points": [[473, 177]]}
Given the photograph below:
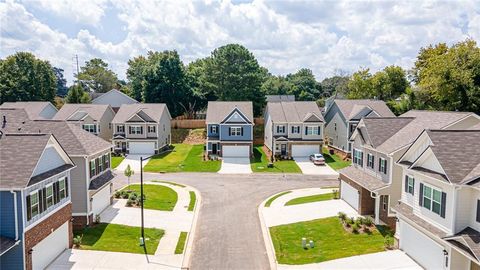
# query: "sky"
{"points": [[329, 37]]}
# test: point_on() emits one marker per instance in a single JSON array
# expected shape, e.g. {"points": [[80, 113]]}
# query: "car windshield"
{"points": [[318, 156]]}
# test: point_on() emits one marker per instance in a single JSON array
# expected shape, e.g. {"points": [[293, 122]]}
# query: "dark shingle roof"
{"points": [[6, 243], [101, 180], [152, 110], [33, 108], [351, 107], [407, 211], [293, 111], [218, 110], [469, 239], [362, 178], [96, 111], [45, 175], [15, 118], [380, 129]]}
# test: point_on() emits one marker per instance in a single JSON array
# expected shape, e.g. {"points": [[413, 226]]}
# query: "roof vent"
{"points": [[4, 121]]}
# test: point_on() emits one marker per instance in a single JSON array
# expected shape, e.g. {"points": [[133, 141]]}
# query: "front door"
{"points": [[214, 148], [283, 148], [124, 147]]}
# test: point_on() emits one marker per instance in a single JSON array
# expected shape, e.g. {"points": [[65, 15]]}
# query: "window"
{"points": [[92, 128], [280, 129], [313, 130], [277, 147], [236, 131], [382, 165], [151, 129], [62, 191], [213, 130], [409, 184], [358, 157], [34, 208], [121, 129], [478, 211], [49, 195], [433, 200], [370, 160], [295, 129], [385, 202], [335, 126], [92, 168], [107, 160], [352, 128], [136, 130]]}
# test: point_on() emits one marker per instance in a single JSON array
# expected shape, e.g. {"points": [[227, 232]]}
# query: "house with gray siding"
{"points": [[373, 183], [293, 128], [143, 128], [35, 109], [343, 115], [35, 200], [229, 128], [114, 98], [439, 209], [94, 118]]}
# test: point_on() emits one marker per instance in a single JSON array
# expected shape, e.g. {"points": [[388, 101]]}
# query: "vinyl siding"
{"points": [[338, 137], [78, 182], [247, 133], [209, 130], [268, 131], [106, 129], [49, 160], [49, 112]]}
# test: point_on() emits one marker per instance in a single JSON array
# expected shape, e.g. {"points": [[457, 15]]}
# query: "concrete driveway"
{"points": [[235, 165], [133, 161], [308, 167]]}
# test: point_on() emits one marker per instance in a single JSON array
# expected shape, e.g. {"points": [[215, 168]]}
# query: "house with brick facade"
{"points": [[293, 128], [35, 200], [439, 209], [373, 183]]}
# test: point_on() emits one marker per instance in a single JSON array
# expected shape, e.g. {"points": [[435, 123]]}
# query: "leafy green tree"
{"points": [[135, 76], [76, 94], [196, 77], [233, 73], [389, 83], [335, 85], [97, 77], [360, 85], [304, 85], [23, 77], [62, 88], [276, 85]]}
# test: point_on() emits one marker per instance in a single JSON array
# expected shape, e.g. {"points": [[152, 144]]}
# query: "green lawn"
{"points": [[116, 161], [335, 161], [119, 238], [312, 198], [269, 202], [181, 243], [331, 241], [259, 163], [157, 197], [183, 158], [193, 199]]}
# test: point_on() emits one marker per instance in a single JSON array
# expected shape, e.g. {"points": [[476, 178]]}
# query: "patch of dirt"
{"points": [[189, 136]]}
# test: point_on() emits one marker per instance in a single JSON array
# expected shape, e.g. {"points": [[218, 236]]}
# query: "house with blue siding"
{"points": [[35, 205], [229, 128]]}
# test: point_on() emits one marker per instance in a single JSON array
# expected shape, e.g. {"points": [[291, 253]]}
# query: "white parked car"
{"points": [[317, 159]]}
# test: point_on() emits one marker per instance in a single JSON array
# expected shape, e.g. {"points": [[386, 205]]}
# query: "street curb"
{"points": [[267, 238], [193, 228]]}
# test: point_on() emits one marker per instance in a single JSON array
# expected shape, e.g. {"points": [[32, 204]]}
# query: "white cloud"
{"points": [[81, 11]]}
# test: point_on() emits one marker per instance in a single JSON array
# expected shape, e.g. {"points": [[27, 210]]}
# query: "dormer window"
{"points": [[92, 128]]}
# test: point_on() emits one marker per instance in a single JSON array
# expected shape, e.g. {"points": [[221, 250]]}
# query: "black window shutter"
{"points": [[420, 195], [130, 129], [292, 128], [44, 198], [66, 187], [413, 188], [379, 164], [306, 130], [444, 204], [318, 131], [211, 129], [141, 130], [241, 131], [40, 201], [278, 129], [55, 193], [406, 183], [229, 131], [478, 211], [29, 208], [385, 167]]}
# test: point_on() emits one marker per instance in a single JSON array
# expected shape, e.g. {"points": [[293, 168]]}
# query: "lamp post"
{"points": [[142, 239]]}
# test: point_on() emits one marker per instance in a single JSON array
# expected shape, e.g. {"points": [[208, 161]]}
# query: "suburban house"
{"points": [[439, 211], [35, 109], [91, 186], [114, 98], [293, 128], [342, 117], [35, 201], [142, 128], [230, 128], [279, 98], [94, 118], [373, 183]]}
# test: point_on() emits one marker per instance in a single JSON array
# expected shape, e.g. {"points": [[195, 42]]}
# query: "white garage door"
{"points": [[49, 248], [101, 200], [236, 151], [420, 247], [349, 194], [141, 148], [305, 150]]}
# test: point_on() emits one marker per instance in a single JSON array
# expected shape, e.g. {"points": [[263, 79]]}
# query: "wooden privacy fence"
{"points": [[191, 123]]}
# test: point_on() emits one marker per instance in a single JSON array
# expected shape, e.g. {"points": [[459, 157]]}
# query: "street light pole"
{"points": [[142, 240]]}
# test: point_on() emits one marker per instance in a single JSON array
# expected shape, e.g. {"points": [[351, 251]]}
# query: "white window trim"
{"points": [[214, 129], [410, 184], [296, 130], [64, 190], [150, 129], [360, 157], [122, 127], [136, 130], [92, 128], [372, 161], [431, 198], [312, 130], [34, 193], [385, 202], [383, 168], [236, 131], [281, 129], [49, 186]]}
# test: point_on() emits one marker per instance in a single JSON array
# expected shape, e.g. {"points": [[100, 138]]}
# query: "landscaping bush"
{"points": [[359, 221], [342, 216], [77, 241], [351, 220], [368, 221], [336, 194], [130, 202], [355, 229], [388, 240], [366, 229], [117, 195], [124, 194]]}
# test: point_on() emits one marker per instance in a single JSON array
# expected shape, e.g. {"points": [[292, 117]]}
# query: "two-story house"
{"points": [[35, 205], [34, 109], [114, 98], [439, 211], [372, 184], [143, 128], [230, 128], [342, 117], [293, 128], [94, 118]]}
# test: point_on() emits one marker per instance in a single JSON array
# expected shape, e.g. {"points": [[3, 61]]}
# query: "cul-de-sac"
{"points": [[243, 135]]}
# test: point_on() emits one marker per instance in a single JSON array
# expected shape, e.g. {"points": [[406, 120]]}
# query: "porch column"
{"points": [[377, 209]]}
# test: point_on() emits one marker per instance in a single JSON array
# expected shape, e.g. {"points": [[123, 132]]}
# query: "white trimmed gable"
{"points": [[77, 116], [114, 98], [236, 116], [417, 149], [53, 156], [428, 161]]}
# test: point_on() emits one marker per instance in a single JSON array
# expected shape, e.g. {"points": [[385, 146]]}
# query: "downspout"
{"points": [[377, 206], [87, 176], [16, 213]]}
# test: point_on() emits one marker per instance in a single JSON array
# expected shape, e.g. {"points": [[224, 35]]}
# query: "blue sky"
{"points": [[325, 36]]}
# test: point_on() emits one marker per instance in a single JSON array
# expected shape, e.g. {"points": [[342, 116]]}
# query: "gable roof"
{"points": [[351, 107], [33, 108], [293, 111], [14, 119], [152, 110], [217, 111], [109, 98], [279, 98], [73, 112], [380, 129]]}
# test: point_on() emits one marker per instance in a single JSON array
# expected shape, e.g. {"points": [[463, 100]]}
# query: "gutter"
{"points": [[16, 213]]}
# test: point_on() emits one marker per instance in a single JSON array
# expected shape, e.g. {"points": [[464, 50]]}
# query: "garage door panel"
{"points": [[349, 194], [101, 200], [420, 247], [305, 150], [235, 151], [49, 248], [141, 148]]}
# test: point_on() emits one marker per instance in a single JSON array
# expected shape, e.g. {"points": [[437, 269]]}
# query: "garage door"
{"points": [[305, 150], [349, 194], [141, 148], [101, 200], [420, 247], [49, 248], [236, 151]]}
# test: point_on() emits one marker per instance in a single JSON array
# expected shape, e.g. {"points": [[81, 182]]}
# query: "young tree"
{"points": [[76, 94], [23, 77], [128, 173], [97, 77]]}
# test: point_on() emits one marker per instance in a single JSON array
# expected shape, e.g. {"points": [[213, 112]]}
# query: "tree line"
{"points": [[442, 78]]}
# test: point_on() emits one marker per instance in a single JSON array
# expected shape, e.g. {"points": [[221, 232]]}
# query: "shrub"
{"points": [[133, 197], [97, 218], [388, 241], [124, 194], [117, 195], [368, 221], [359, 221], [355, 228], [351, 220], [130, 202], [77, 241], [336, 194], [342, 216], [366, 229]]}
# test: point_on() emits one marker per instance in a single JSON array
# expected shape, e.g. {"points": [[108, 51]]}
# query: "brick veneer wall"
{"points": [[390, 221], [45, 228], [80, 222], [366, 205]]}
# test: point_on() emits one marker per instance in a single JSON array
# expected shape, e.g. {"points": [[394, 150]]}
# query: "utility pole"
{"points": [[78, 70]]}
